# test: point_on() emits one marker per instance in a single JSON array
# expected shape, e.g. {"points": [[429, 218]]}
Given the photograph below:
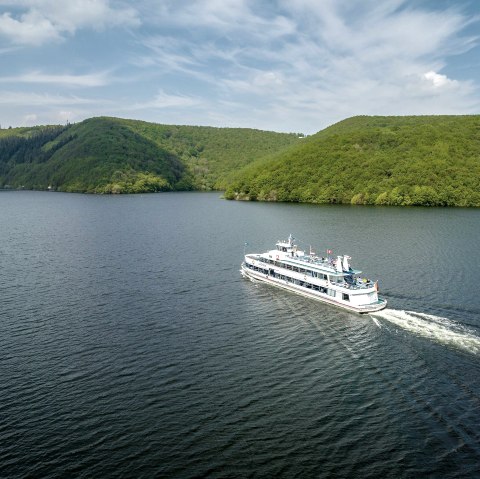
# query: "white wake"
{"points": [[436, 328]]}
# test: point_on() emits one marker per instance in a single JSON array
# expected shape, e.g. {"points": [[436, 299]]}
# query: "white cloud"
{"points": [[32, 28], [268, 79], [235, 18], [439, 81], [86, 80], [331, 60], [39, 99], [169, 52], [42, 21], [285, 65], [165, 100], [258, 83]]}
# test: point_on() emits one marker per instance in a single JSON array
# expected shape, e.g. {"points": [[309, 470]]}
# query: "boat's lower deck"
{"points": [[318, 295]]}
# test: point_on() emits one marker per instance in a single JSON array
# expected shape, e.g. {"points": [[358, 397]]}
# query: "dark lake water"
{"points": [[132, 347]]}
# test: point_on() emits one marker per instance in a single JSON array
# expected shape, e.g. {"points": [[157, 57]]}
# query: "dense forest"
{"points": [[111, 155], [424, 160]]}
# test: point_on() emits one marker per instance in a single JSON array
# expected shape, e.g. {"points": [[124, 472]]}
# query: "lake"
{"points": [[132, 347]]}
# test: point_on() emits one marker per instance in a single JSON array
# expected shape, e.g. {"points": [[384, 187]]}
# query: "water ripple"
{"points": [[132, 347]]}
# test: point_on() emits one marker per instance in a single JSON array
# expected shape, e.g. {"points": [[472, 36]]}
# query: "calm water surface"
{"points": [[132, 347]]}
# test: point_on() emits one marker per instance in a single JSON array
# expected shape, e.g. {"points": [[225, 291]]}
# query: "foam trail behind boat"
{"points": [[436, 328], [375, 320]]}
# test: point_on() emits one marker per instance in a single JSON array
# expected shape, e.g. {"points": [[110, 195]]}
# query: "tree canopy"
{"points": [[411, 160], [112, 155], [424, 160]]}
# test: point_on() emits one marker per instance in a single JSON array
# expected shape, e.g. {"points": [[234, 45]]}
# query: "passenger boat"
{"points": [[327, 279]]}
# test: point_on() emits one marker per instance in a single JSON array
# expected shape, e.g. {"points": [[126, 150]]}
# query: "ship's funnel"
{"points": [[346, 266]]}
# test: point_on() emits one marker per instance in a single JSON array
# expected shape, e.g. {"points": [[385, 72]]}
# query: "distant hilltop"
{"points": [[389, 160], [412, 160], [113, 155]]}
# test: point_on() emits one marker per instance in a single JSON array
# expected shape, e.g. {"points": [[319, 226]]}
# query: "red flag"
{"points": [[329, 251]]}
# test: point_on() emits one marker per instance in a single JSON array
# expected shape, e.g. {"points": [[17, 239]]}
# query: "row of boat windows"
{"points": [[298, 282], [280, 264]]}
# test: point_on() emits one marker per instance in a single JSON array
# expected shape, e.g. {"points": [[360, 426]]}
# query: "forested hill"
{"points": [[111, 155], [423, 160]]}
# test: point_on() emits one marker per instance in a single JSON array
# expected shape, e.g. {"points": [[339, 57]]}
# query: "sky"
{"points": [[282, 65]]}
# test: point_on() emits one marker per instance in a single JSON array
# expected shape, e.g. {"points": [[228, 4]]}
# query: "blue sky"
{"points": [[283, 65]]}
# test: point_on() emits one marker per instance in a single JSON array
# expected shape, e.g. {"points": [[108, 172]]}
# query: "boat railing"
{"points": [[354, 284], [360, 285]]}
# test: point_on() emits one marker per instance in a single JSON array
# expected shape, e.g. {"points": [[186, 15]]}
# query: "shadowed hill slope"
{"points": [[111, 155]]}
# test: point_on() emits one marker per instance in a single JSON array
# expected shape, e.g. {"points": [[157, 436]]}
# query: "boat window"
{"points": [[330, 292], [345, 297]]}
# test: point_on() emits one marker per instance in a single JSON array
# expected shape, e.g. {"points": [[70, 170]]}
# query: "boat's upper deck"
{"points": [[288, 255], [314, 267], [333, 270], [314, 263], [288, 251]]}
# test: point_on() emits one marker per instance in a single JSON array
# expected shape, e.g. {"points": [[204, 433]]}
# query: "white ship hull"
{"points": [[324, 279], [362, 309]]}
